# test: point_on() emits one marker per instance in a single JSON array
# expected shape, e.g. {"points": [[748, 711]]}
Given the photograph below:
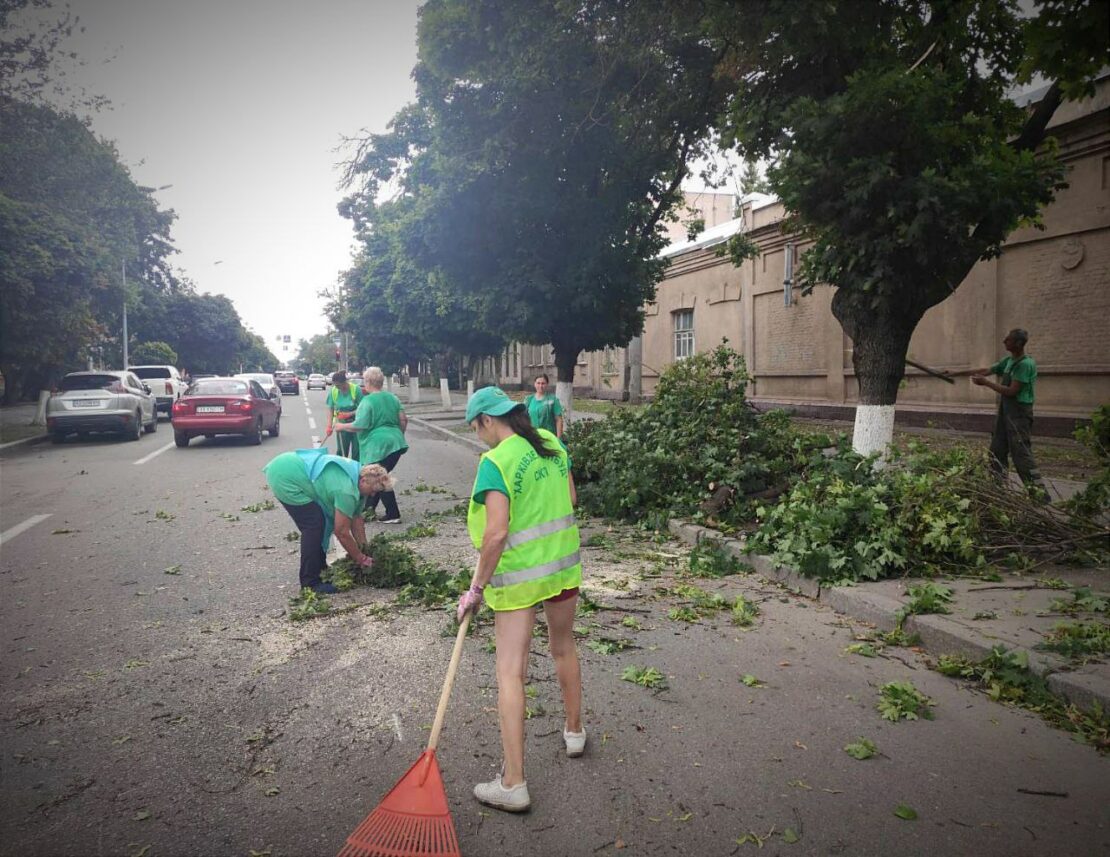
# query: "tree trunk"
{"points": [[880, 340], [566, 361]]}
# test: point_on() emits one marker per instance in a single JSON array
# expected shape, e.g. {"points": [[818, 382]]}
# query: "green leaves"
{"points": [[648, 677], [307, 605], [861, 749], [900, 700], [926, 597], [905, 813], [749, 680], [264, 506]]}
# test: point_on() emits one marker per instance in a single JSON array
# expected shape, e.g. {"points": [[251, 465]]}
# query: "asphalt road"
{"points": [[153, 692]]}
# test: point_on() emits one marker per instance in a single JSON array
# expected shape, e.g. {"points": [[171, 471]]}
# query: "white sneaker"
{"points": [[576, 742], [389, 520], [514, 799]]}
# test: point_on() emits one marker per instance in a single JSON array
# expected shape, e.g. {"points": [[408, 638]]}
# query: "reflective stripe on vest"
{"points": [[541, 556]]}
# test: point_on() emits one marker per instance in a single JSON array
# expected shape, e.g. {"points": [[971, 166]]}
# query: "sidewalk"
{"points": [[1014, 612], [15, 425]]}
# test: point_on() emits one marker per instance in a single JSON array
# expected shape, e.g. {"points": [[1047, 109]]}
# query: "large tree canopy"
{"points": [[548, 142]]}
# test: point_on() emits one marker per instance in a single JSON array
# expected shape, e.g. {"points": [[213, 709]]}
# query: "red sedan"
{"points": [[215, 406]]}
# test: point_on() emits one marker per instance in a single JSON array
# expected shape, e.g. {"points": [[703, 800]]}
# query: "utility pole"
{"points": [[123, 279]]}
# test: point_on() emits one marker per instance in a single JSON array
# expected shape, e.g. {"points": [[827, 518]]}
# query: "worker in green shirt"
{"points": [[322, 493], [343, 399], [380, 422], [545, 411], [1013, 426]]}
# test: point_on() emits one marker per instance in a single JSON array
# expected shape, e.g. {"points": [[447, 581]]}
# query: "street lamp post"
{"points": [[123, 277]]}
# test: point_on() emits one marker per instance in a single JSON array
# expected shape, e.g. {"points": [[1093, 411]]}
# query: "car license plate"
{"points": [[86, 403], [210, 409]]}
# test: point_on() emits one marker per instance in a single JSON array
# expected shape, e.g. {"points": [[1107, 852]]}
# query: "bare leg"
{"points": [[560, 633], [513, 630]]}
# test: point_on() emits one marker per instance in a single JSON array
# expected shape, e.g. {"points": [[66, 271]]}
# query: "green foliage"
{"points": [[307, 605], [749, 680], [864, 649], [1083, 600], [648, 677], [684, 614], [900, 700], [743, 612], [396, 566], [264, 506], [699, 431], [1094, 500], [1006, 677], [420, 531], [925, 598], [152, 353], [861, 749], [632, 622], [710, 559], [1078, 640], [608, 645]]}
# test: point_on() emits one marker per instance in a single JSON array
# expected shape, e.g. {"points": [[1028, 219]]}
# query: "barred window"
{"points": [[683, 333]]}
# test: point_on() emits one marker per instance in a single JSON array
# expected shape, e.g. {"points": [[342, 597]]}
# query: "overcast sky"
{"points": [[240, 105]]}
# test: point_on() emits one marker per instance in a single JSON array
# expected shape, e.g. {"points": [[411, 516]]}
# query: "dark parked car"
{"points": [[288, 382], [215, 406]]}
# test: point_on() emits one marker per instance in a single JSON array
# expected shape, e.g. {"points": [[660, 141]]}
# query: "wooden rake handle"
{"points": [[448, 682]]}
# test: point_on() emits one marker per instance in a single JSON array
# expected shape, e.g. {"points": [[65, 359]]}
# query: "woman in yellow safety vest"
{"points": [[343, 399], [522, 521]]}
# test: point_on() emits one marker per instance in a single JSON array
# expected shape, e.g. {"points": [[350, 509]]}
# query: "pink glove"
{"points": [[470, 601]]}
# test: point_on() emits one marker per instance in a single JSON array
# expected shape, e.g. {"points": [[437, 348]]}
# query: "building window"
{"points": [[683, 333]]}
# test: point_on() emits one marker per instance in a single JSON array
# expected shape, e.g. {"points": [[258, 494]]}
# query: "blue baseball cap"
{"points": [[489, 400]]}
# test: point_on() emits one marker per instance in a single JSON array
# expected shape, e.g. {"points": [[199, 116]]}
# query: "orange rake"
{"points": [[413, 820]]}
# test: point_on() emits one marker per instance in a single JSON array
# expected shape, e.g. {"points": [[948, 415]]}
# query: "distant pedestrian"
{"points": [[343, 398], [522, 522], [1013, 425], [323, 493], [380, 422], [545, 410]]}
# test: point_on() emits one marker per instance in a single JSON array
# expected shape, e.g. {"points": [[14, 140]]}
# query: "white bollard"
{"points": [[414, 390], [40, 412], [445, 394]]}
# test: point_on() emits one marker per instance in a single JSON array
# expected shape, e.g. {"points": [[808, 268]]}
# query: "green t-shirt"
{"points": [[333, 488], [1024, 369], [489, 478], [542, 412], [340, 401], [379, 424]]}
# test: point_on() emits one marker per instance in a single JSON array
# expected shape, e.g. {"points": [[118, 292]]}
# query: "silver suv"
{"points": [[107, 401]]}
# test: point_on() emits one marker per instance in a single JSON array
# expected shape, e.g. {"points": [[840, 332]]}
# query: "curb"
{"points": [[475, 445], [35, 438], [939, 634]]}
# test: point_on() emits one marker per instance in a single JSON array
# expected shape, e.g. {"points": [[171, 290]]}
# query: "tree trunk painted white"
{"points": [[445, 394], [469, 389], [414, 390], [634, 354], [40, 412], [564, 392], [874, 429]]}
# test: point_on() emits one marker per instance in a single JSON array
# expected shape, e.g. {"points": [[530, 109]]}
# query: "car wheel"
{"points": [[180, 438], [136, 431], [255, 437], [277, 426], [153, 426]]}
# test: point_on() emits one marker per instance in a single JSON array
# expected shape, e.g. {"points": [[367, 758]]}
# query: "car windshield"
{"points": [[264, 380], [88, 382], [145, 372], [219, 387]]}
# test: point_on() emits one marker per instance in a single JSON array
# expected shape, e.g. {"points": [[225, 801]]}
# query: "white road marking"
{"points": [[397, 727], [147, 458], [11, 533], [311, 423]]}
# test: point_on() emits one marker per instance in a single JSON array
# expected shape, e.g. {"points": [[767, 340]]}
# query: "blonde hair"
{"points": [[374, 377], [379, 475]]}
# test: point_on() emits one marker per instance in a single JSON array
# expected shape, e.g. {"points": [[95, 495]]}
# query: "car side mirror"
{"points": [[146, 387], [275, 394]]}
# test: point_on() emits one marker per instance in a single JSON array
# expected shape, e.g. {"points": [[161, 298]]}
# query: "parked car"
{"points": [[109, 401], [288, 382], [317, 380], [266, 382], [215, 406], [165, 383]]}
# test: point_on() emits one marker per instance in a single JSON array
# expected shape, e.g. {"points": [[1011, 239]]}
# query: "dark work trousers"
{"points": [[309, 519], [347, 444], [1012, 438], [389, 498]]}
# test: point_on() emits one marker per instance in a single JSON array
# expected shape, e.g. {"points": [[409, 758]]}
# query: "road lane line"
{"points": [[147, 458], [397, 727], [11, 533], [311, 423]]}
